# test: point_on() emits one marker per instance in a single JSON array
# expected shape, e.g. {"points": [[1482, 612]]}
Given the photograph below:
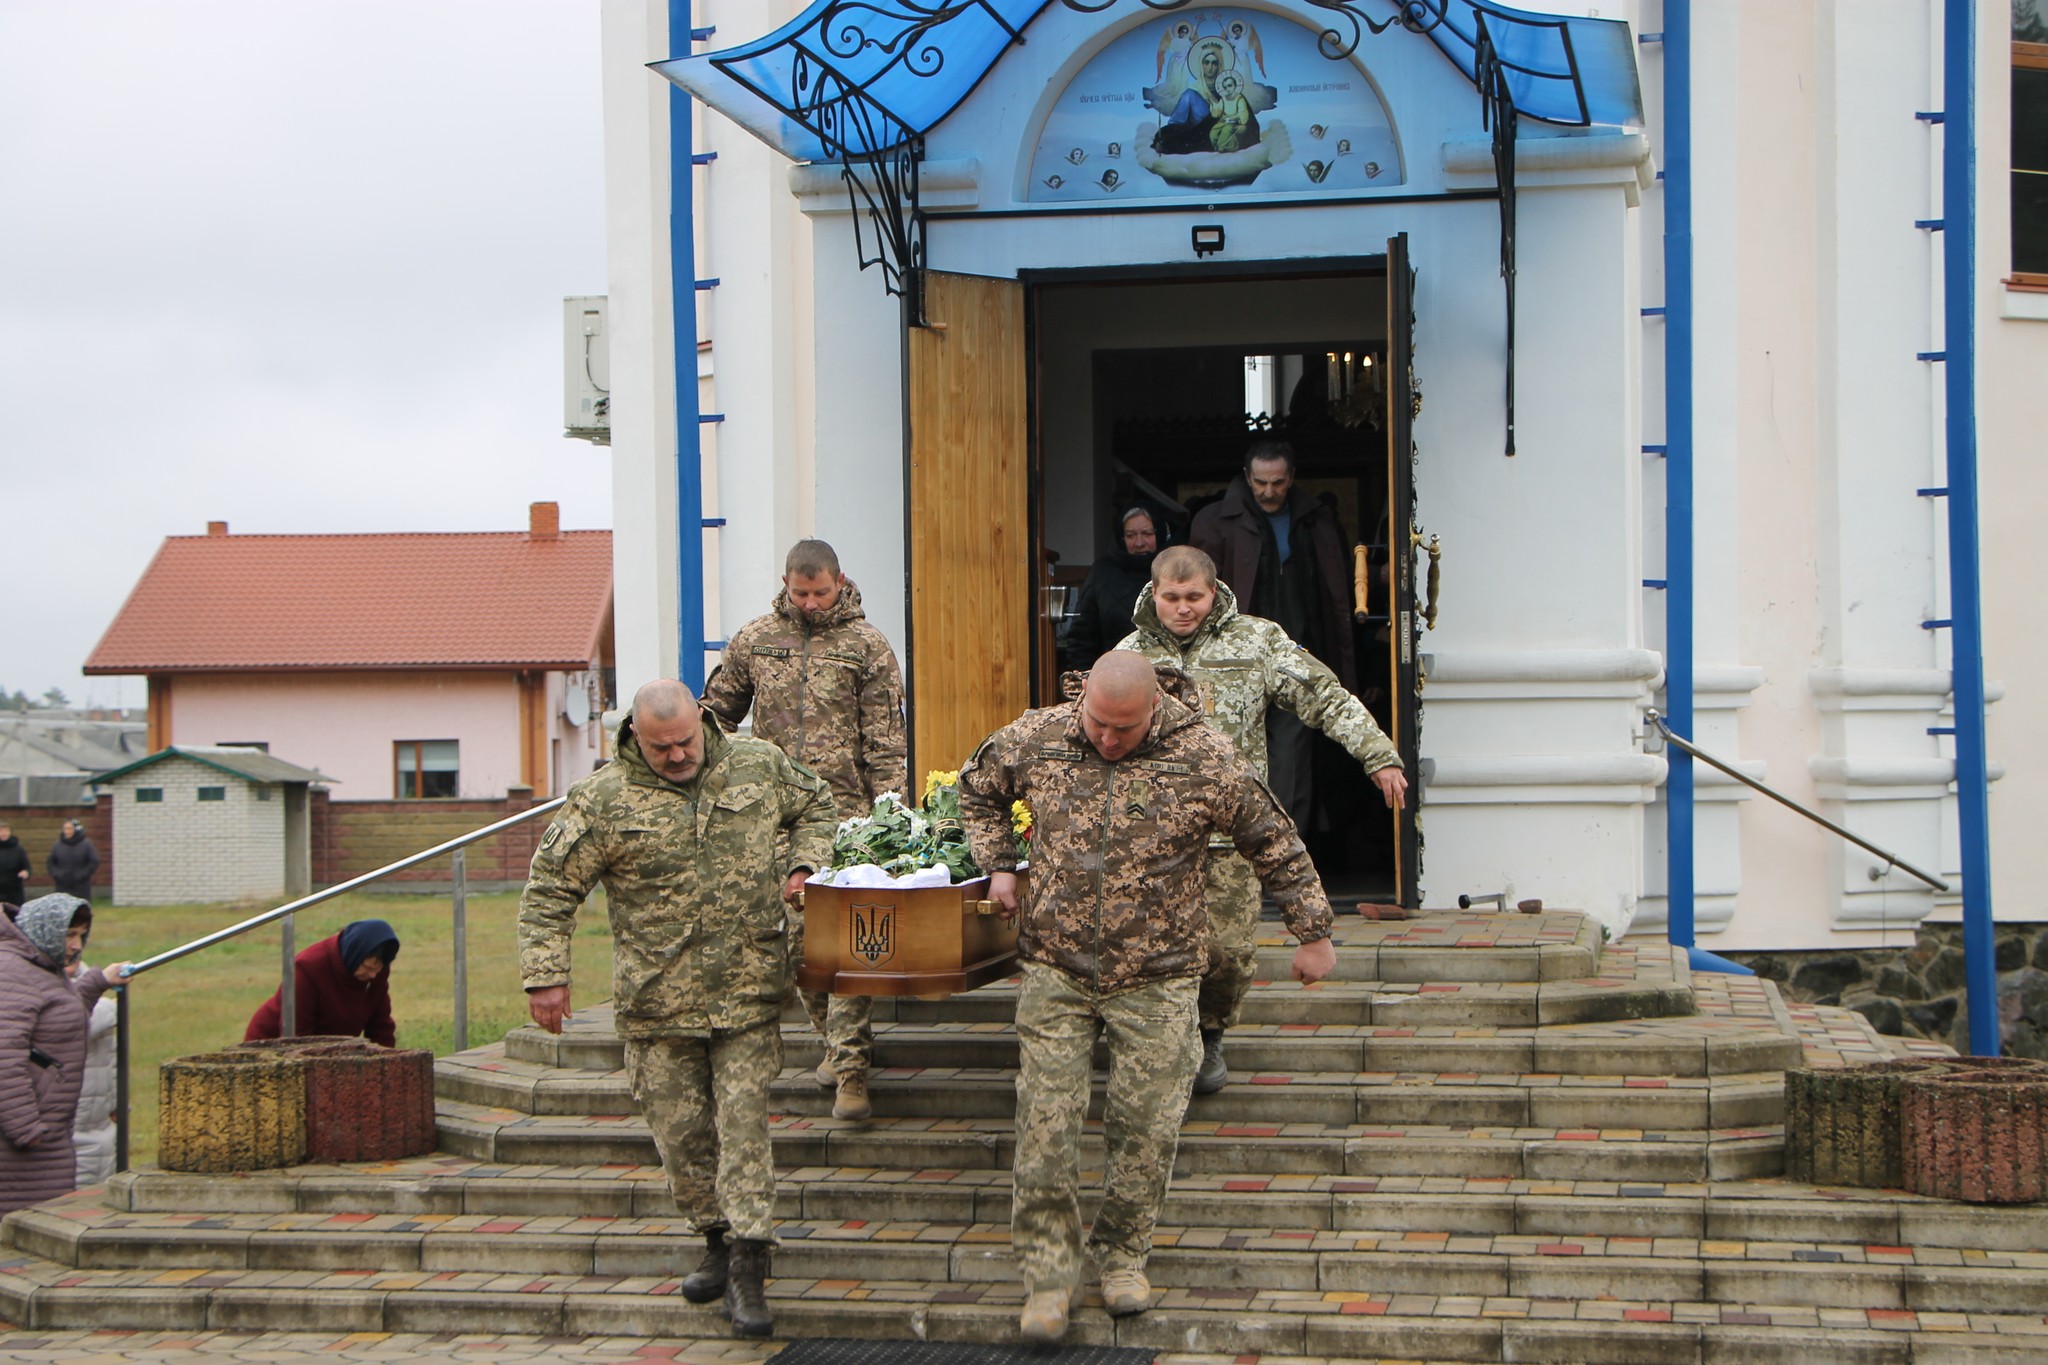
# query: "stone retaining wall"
{"points": [[1916, 990]]}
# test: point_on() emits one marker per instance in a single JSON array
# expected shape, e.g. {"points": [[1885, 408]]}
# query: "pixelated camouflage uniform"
{"points": [[829, 694], [1112, 935], [1244, 664], [700, 947]]}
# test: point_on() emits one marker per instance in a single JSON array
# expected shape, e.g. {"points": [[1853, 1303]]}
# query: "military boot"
{"points": [[1213, 1072], [851, 1103], [746, 1303], [707, 1281]]}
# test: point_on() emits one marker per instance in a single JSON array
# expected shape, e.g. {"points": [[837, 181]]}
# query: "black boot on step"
{"points": [[707, 1281], [1211, 1075], [745, 1302]]}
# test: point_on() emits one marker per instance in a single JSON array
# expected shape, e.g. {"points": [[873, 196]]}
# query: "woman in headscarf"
{"points": [[43, 1021], [1102, 610], [342, 986]]}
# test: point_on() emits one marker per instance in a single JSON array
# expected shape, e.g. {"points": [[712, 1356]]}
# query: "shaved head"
{"points": [[663, 699], [1117, 703]]}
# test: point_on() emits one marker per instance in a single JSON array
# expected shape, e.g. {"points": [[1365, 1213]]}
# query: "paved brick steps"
{"points": [[1699, 1045], [1252, 1096], [1205, 1145], [1346, 1324], [1814, 1274], [1757, 1210]]}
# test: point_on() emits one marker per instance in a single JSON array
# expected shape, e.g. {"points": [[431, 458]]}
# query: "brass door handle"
{"points": [[1435, 551]]}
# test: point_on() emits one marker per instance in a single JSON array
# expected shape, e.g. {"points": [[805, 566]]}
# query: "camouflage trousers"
{"points": [[845, 1022], [706, 1098], [1231, 896], [1153, 1052]]}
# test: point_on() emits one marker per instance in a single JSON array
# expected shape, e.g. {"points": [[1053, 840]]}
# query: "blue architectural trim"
{"points": [[682, 261], [1966, 639], [1680, 880]]}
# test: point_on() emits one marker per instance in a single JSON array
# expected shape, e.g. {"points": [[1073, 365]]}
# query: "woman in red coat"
{"points": [[343, 986]]}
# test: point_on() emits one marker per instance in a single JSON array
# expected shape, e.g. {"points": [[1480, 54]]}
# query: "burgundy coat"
{"points": [[331, 1000], [40, 1008], [1232, 532]]}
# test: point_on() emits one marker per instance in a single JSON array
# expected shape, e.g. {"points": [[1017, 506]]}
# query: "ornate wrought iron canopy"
{"points": [[860, 82]]}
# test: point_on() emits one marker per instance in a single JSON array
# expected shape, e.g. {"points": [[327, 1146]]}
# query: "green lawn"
{"points": [[203, 1002]]}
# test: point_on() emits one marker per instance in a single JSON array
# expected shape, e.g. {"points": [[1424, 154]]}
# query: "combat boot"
{"points": [[1044, 1319], [825, 1076], [852, 1101], [707, 1281], [1214, 1072], [746, 1303]]}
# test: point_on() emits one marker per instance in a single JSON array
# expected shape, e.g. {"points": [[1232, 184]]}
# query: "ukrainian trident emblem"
{"points": [[873, 930]]}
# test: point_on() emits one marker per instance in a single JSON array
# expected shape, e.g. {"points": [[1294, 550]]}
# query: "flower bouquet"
{"points": [[921, 845]]}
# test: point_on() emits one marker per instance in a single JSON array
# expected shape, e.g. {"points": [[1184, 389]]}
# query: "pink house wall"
{"points": [[344, 724]]}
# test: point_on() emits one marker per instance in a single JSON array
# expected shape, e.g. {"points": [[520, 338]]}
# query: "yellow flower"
{"points": [[1020, 818], [938, 778]]}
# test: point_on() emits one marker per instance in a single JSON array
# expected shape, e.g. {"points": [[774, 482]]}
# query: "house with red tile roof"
{"points": [[408, 666]]}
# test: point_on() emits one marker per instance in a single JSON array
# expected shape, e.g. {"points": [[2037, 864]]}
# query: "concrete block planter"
{"points": [[1977, 1135], [231, 1111], [363, 1102], [1842, 1123]]}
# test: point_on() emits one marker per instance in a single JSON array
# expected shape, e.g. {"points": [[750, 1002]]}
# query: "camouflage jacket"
{"points": [[700, 938], [1118, 849], [828, 695], [1244, 664]]}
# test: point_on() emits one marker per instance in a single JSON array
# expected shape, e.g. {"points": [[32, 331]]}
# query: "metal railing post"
{"points": [[288, 992], [121, 1080], [460, 869]]}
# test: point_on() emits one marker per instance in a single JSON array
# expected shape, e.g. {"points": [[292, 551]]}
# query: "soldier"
{"points": [[1125, 786], [824, 687], [686, 828], [1244, 664]]}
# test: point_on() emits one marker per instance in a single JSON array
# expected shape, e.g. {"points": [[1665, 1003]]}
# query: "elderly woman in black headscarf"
{"points": [[1102, 610], [342, 986]]}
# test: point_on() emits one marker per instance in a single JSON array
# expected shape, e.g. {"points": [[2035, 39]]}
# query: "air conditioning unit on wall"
{"points": [[586, 370]]}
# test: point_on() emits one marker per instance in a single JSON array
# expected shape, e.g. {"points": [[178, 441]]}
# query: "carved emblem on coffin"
{"points": [[872, 929]]}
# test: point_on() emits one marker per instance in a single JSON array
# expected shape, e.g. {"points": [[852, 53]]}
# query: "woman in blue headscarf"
{"points": [[343, 986]]}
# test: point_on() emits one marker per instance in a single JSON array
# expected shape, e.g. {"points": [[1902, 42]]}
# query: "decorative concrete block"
{"points": [[1978, 1135], [363, 1102], [231, 1111], [1842, 1123]]}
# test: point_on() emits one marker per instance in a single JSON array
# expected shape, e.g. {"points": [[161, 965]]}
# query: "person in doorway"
{"points": [[1125, 786], [341, 986], [43, 1023], [73, 861], [700, 839], [823, 686], [1283, 554], [1244, 666], [14, 867], [1102, 609]]}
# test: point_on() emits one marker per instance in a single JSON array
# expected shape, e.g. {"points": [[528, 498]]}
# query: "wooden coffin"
{"points": [[929, 940]]}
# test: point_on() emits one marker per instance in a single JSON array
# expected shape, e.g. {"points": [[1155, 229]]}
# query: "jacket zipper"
{"points": [[1101, 863], [803, 691]]}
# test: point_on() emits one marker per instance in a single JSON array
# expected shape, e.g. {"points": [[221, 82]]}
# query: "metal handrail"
{"points": [[287, 993], [1891, 859]]}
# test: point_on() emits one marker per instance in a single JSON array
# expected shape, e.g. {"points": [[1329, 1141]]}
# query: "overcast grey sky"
{"points": [[292, 264]]}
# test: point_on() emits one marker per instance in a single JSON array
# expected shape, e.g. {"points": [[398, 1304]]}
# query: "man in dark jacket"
{"points": [[1283, 555], [73, 861], [13, 867]]}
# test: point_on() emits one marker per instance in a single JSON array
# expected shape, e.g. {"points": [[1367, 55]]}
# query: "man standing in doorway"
{"points": [[1283, 555], [1245, 667], [1125, 786], [700, 840], [824, 687]]}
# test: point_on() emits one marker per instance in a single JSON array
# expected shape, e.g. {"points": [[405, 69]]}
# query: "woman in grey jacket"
{"points": [[43, 1023]]}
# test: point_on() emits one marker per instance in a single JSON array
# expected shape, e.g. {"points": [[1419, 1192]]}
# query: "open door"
{"points": [[969, 521], [1402, 655]]}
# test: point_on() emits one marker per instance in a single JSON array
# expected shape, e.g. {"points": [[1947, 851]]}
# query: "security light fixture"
{"points": [[1208, 239]]}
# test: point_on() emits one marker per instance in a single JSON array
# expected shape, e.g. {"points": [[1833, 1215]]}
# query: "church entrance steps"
{"points": [[1205, 1145], [1691, 1045]]}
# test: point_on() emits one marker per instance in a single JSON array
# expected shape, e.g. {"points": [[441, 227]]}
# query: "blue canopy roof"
{"points": [[847, 78]]}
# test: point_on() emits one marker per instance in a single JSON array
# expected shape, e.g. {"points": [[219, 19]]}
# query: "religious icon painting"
{"points": [[1204, 106]]}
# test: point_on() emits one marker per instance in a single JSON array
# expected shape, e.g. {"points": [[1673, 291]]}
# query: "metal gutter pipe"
{"points": [[1966, 605], [682, 269]]}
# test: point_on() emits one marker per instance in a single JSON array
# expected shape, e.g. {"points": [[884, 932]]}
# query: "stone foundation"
{"points": [[1916, 990]]}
